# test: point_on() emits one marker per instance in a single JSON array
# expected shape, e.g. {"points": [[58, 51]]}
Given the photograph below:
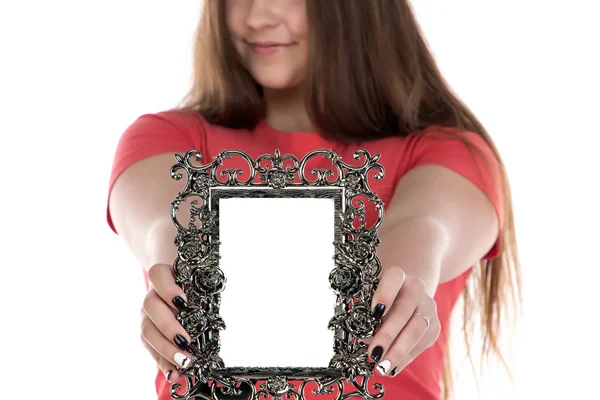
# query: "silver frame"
{"points": [[354, 278]]}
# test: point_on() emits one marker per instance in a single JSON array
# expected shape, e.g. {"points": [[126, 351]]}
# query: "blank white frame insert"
{"points": [[276, 254]]}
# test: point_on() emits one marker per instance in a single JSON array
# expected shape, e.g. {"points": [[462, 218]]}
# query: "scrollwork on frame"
{"points": [[353, 279]]}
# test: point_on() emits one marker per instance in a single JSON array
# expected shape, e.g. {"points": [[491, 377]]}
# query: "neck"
{"points": [[286, 111]]}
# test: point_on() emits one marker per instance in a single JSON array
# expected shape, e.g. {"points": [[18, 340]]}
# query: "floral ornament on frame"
{"points": [[353, 280]]}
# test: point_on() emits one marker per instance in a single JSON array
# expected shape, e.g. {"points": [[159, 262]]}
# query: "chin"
{"points": [[276, 80]]}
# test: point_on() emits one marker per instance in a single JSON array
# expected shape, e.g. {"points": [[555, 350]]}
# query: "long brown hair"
{"points": [[370, 75]]}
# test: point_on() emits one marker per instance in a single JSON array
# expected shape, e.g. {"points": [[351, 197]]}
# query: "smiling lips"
{"points": [[267, 48]]}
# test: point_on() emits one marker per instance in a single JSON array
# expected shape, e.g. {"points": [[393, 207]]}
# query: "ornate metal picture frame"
{"points": [[353, 279]]}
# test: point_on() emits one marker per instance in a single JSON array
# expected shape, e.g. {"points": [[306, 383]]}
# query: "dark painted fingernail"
{"points": [[180, 303], [181, 342], [393, 373], [377, 353], [169, 374], [379, 310]]}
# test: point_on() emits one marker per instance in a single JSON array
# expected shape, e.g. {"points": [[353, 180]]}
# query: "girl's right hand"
{"points": [[162, 334]]}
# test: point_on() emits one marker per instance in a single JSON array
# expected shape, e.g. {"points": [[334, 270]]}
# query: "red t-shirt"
{"points": [[170, 132]]}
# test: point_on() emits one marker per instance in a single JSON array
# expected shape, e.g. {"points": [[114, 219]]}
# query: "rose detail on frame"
{"points": [[346, 280], [208, 280]]}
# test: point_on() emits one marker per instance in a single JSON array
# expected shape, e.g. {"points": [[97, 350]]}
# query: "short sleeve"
{"points": [[476, 162], [153, 134]]}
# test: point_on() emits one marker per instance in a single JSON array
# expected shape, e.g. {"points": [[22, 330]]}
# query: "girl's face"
{"points": [[271, 36]]}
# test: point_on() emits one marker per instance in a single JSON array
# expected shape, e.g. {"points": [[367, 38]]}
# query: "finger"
{"points": [[168, 369], [402, 309], [163, 346], [427, 340], [413, 353], [163, 318], [405, 343], [390, 282], [161, 278]]}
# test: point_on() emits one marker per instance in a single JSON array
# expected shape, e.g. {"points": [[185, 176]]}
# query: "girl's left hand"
{"points": [[410, 322]]}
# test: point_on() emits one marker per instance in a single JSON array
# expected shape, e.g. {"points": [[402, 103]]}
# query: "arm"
{"points": [[140, 194], [445, 215], [437, 225], [140, 204], [141, 188]]}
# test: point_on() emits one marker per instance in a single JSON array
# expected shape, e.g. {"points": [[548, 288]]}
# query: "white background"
{"points": [[75, 74]]}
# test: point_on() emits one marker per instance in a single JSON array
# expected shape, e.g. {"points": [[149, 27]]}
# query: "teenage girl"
{"points": [[299, 75]]}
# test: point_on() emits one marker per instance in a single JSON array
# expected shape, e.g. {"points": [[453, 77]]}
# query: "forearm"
{"points": [[151, 241], [159, 243], [418, 246], [140, 208]]}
